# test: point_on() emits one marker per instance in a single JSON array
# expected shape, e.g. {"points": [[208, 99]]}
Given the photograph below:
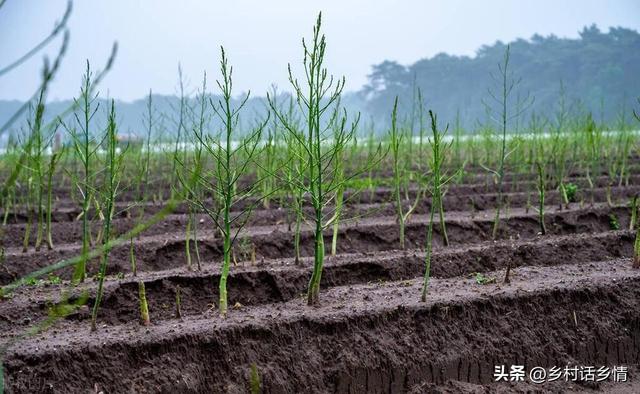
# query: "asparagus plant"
{"points": [[439, 152], [400, 172], [85, 147], [634, 213], [149, 122], [293, 171], [231, 163], [636, 245], [114, 169], [636, 249], [36, 165], [254, 379], [7, 192], [506, 84], [196, 167], [439, 181], [338, 178], [53, 161], [541, 190], [320, 93], [269, 156], [144, 306], [180, 122], [178, 303], [26, 198]]}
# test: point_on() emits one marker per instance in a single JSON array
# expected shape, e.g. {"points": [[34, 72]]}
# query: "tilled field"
{"points": [[573, 299]]}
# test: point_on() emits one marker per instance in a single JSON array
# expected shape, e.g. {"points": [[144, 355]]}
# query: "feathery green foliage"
{"points": [[400, 174], [85, 146], [439, 181], [321, 93], [114, 168], [230, 163]]}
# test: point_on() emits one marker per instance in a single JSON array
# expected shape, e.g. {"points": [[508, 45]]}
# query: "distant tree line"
{"points": [[598, 72]]}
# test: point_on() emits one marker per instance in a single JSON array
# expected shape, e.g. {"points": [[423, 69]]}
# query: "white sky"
{"points": [[262, 36]]}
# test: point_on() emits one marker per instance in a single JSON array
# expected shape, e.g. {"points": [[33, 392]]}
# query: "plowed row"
{"points": [[573, 299]]}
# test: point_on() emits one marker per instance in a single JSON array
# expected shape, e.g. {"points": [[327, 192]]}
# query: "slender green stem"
{"points": [[427, 260], [541, 192]]}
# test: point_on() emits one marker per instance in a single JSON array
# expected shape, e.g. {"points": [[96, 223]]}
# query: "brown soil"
{"points": [[166, 251], [67, 229], [363, 338], [573, 299], [464, 196]]}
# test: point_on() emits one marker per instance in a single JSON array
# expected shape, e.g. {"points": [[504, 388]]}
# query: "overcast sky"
{"points": [[261, 36]]}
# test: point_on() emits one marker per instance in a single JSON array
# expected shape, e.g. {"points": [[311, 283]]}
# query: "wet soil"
{"points": [[573, 299], [362, 338], [166, 251]]}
